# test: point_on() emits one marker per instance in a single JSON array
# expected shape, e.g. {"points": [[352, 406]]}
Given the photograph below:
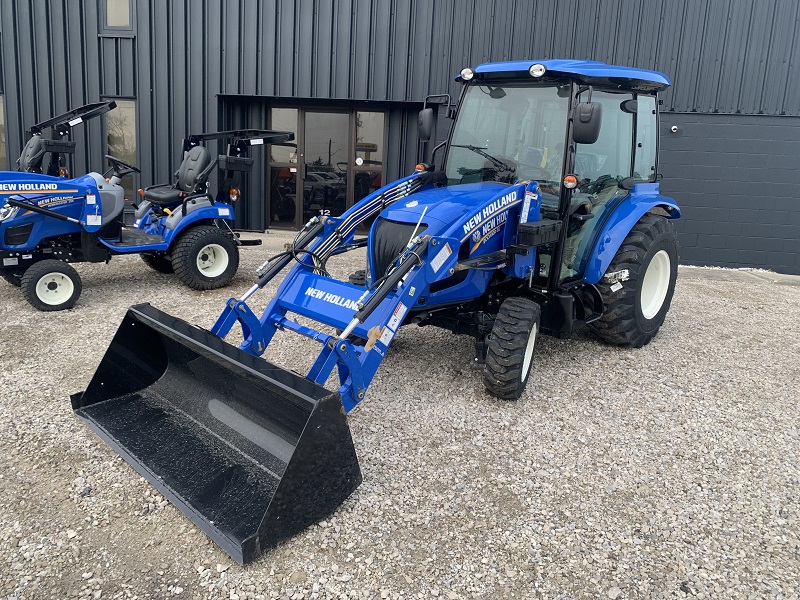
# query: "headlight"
{"points": [[6, 212], [467, 74], [537, 70]]}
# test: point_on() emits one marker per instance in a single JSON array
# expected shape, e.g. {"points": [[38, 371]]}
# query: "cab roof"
{"points": [[585, 71]]}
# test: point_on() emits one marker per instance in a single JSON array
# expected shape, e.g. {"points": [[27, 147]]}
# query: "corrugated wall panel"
{"points": [[578, 41], [323, 50], [249, 53], [419, 67], [758, 50], [688, 54], [708, 69], [791, 97], [732, 67], [778, 67], [379, 49], [340, 59]]}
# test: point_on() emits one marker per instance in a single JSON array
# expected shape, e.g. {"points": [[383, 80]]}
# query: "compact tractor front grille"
{"points": [[18, 235]]}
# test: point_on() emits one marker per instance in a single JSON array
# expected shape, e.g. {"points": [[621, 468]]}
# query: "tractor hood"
{"points": [[450, 209]]}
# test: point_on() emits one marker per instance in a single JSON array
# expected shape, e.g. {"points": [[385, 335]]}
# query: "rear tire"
{"points": [[635, 308], [509, 353], [158, 262], [205, 258], [51, 285]]}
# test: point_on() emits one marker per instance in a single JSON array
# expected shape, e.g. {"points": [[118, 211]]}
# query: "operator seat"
{"points": [[32, 155], [191, 179]]}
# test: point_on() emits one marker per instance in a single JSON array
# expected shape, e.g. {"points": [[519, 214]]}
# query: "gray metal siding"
{"points": [[736, 181], [738, 57], [725, 57]]}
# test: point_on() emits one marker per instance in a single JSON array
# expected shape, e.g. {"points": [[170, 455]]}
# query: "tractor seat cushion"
{"points": [[32, 155], [191, 172], [164, 196]]}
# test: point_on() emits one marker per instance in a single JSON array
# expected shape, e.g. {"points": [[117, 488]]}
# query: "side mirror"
{"points": [[425, 124], [586, 119]]}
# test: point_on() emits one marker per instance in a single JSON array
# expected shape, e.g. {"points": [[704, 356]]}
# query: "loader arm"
{"points": [[374, 315]]}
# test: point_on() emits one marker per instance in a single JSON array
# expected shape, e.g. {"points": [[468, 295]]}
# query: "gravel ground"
{"points": [[669, 471]]}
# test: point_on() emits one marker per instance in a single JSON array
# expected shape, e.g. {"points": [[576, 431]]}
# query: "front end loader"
{"points": [[544, 215]]}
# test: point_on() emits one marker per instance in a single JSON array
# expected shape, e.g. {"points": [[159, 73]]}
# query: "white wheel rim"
{"points": [[526, 362], [54, 288], [655, 284], [212, 260]]}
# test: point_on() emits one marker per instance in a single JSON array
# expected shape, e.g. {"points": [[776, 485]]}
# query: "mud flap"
{"points": [[250, 452]]}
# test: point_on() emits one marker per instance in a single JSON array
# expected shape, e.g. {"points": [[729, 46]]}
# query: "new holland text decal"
{"points": [[332, 298], [16, 188], [490, 218], [53, 197]]}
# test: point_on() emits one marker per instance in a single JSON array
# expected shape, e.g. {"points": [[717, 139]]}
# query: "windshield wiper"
{"points": [[495, 161]]}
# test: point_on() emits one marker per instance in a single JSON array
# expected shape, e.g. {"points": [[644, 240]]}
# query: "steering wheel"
{"points": [[119, 167]]}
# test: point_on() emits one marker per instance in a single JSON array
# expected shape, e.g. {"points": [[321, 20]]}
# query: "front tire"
{"points": [[636, 303], [51, 285], [509, 353], [205, 258]]}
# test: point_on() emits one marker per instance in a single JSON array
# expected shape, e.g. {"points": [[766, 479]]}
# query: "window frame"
{"points": [[117, 30]]}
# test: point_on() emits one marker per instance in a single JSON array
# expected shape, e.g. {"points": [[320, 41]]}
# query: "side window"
{"points": [[644, 166], [608, 160]]}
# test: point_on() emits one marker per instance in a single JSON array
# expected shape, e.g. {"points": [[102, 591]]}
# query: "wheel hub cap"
{"points": [[54, 288], [655, 284], [212, 260]]}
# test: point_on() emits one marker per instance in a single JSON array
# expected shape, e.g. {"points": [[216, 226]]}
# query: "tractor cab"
{"points": [[585, 131]]}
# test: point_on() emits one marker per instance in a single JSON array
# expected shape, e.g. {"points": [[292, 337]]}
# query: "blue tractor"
{"points": [[542, 215], [48, 221]]}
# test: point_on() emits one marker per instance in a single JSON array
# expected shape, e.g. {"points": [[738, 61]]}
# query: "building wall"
{"points": [[737, 181], [734, 63]]}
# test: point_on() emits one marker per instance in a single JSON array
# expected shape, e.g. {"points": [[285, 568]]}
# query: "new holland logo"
{"points": [[332, 298], [489, 211], [28, 187]]}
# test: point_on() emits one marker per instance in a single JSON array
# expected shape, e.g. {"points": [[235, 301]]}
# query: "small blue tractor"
{"points": [[48, 221], [542, 215]]}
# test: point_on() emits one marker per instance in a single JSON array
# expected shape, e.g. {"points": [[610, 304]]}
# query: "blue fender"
{"points": [[643, 197], [218, 210]]}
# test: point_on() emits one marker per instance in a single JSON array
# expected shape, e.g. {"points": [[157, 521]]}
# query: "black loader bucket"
{"points": [[250, 452]]}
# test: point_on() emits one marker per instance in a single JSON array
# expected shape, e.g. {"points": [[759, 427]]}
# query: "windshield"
{"points": [[509, 131]]}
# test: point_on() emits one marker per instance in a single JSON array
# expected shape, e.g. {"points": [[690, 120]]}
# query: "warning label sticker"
{"points": [[92, 220], [440, 258], [397, 316], [386, 336]]}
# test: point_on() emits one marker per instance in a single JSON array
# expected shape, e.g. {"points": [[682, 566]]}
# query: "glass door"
{"points": [[336, 159], [283, 208], [325, 159]]}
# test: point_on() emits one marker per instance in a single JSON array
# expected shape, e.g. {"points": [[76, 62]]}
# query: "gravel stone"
{"points": [[668, 471]]}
